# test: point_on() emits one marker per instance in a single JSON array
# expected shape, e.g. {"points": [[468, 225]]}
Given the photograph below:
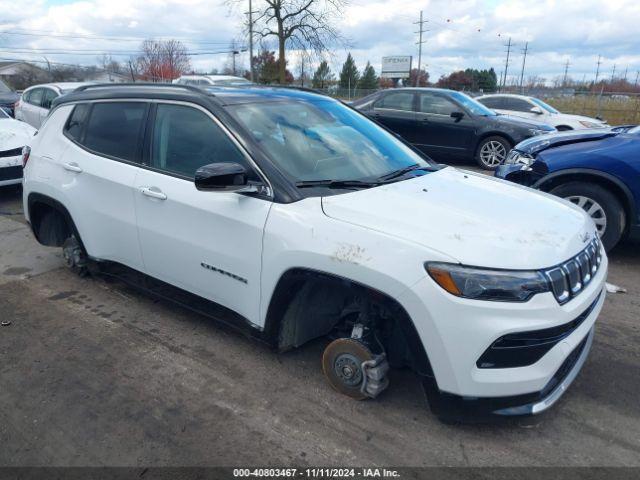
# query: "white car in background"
{"points": [[13, 136], [35, 103], [213, 80], [531, 107]]}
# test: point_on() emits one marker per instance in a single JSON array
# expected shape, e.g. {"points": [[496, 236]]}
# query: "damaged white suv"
{"points": [[292, 216]]}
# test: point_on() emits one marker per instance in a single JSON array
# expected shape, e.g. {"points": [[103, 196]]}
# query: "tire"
{"points": [[346, 355], [602, 205], [492, 151]]}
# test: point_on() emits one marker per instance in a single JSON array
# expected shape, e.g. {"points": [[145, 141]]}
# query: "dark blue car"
{"points": [[599, 170]]}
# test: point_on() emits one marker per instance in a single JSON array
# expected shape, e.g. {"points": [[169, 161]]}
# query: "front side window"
{"points": [[114, 129], [323, 140], [436, 104], [396, 101], [185, 139]]}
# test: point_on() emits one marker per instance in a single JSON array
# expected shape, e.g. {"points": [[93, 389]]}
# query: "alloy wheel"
{"points": [[493, 153]]}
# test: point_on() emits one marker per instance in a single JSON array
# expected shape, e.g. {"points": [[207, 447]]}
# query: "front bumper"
{"points": [[456, 332], [518, 173]]}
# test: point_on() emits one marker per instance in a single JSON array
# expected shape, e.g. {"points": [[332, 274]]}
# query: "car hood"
{"points": [[535, 145], [8, 97], [477, 220], [14, 134]]}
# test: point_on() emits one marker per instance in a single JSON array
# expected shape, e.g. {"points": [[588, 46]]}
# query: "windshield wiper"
{"points": [[336, 184], [402, 171]]}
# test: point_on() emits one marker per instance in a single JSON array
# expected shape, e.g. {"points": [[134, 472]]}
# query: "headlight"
{"points": [[536, 131], [587, 124], [515, 156], [481, 284]]}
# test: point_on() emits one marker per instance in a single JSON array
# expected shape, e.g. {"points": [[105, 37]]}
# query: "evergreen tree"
{"points": [[349, 75], [369, 79], [323, 76]]}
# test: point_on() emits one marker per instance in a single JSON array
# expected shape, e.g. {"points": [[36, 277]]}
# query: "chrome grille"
{"points": [[571, 277]]}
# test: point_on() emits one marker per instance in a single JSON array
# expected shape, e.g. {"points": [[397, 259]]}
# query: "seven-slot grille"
{"points": [[570, 278]]}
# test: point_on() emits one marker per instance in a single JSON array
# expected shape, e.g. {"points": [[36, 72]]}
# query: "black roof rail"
{"points": [[139, 84]]}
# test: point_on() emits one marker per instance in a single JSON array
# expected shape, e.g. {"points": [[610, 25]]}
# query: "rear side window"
{"points": [[114, 129], [185, 139], [35, 97], [76, 121], [396, 101], [516, 105], [48, 97], [491, 102]]}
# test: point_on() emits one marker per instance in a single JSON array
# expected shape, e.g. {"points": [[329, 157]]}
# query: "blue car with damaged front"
{"points": [[598, 170]]}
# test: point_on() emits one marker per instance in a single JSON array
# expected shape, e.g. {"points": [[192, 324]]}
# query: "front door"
{"points": [[208, 243], [438, 133]]}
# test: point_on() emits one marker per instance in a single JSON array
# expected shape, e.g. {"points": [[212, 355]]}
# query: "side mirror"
{"points": [[536, 110], [223, 177], [457, 116]]}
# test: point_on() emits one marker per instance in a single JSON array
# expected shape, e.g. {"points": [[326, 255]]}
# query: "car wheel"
{"points": [[601, 205], [492, 151]]}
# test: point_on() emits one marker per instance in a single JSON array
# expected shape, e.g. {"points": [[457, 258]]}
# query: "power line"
{"points": [[420, 31], [598, 63]]}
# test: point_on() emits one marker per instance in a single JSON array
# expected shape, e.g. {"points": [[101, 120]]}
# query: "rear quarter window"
{"points": [[77, 121]]}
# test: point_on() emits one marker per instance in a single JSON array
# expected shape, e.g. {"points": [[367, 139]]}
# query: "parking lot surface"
{"points": [[95, 373]]}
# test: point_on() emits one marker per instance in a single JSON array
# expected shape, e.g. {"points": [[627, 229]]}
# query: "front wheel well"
{"points": [[553, 182], [308, 304], [486, 135]]}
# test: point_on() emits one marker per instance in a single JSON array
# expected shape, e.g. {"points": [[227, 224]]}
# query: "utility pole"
{"points": [[250, 42], [625, 73], [635, 84], [420, 31], [524, 60], [598, 63], [506, 63], [613, 72], [566, 70]]}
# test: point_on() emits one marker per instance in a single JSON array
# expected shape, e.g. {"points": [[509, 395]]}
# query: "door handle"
{"points": [[153, 192], [72, 167]]}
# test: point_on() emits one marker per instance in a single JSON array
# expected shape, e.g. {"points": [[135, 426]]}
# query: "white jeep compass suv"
{"points": [[292, 216]]}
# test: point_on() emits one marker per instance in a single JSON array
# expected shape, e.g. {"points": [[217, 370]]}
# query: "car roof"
{"points": [[512, 95], [421, 89], [214, 77], [61, 85], [169, 91]]}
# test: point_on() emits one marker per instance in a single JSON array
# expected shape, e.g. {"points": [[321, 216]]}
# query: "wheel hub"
{"points": [[348, 370]]}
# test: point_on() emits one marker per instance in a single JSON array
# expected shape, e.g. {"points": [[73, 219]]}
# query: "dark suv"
{"points": [[445, 123]]}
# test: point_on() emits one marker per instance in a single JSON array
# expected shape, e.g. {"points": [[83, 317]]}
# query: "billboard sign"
{"points": [[396, 67]]}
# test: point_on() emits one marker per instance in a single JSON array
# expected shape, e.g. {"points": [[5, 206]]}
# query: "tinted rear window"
{"points": [[114, 129], [76, 121]]}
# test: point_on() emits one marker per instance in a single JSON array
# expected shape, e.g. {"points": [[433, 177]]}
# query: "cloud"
{"points": [[464, 33]]}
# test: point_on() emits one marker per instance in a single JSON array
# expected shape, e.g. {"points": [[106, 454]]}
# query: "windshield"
{"points": [[543, 105], [324, 140], [472, 105]]}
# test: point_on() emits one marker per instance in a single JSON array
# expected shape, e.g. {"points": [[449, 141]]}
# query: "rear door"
{"points": [[439, 133], [99, 168], [395, 110], [208, 243], [518, 107]]}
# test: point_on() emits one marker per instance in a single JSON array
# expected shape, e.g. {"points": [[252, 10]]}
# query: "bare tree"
{"points": [[161, 60], [298, 24]]}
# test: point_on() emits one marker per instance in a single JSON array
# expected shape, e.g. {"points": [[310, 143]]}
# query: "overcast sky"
{"points": [[462, 33]]}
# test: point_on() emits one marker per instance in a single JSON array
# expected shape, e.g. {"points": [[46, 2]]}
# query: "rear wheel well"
{"points": [[307, 304], [613, 187], [50, 221]]}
